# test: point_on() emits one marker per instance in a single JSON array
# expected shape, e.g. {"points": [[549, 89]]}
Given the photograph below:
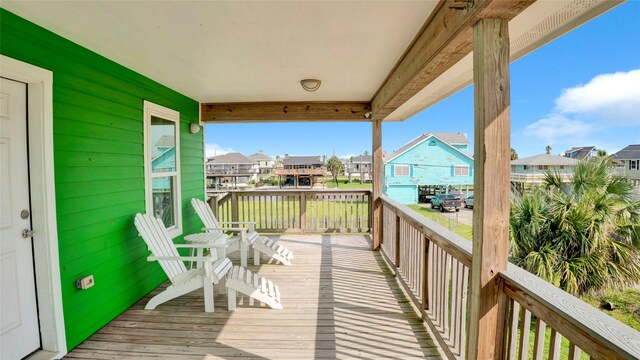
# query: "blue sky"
{"points": [[581, 89]]}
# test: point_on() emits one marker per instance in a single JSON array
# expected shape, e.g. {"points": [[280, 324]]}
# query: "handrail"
{"points": [[433, 264], [451, 242], [598, 334], [298, 210], [290, 190]]}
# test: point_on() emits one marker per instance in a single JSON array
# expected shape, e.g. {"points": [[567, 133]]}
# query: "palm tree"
{"points": [[335, 167], [584, 236], [514, 154], [548, 149]]}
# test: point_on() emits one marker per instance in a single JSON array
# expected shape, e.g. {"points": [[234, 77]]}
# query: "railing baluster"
{"points": [[574, 352], [447, 281], [464, 306], [525, 326], [430, 279], [538, 342], [554, 344], [438, 275], [454, 303], [513, 329], [425, 270]]}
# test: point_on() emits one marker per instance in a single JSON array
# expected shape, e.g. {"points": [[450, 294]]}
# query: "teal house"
{"points": [[434, 160]]}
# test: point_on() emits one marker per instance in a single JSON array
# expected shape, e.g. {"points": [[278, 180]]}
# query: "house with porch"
{"points": [[581, 152], [533, 169], [629, 163], [360, 167], [97, 96], [266, 164], [232, 169], [438, 161], [306, 171]]}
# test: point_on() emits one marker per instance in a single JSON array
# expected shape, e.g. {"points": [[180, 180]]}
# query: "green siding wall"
{"points": [[99, 171]]}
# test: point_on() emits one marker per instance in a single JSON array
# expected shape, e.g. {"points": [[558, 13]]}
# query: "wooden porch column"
{"points": [[491, 188], [376, 152]]}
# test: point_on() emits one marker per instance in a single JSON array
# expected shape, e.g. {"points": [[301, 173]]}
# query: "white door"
{"points": [[18, 315]]}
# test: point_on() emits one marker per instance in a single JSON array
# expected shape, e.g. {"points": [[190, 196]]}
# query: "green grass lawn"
{"points": [[459, 228], [626, 302], [343, 183]]}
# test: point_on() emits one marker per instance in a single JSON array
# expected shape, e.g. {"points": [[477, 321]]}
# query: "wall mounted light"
{"points": [[194, 128], [310, 85]]}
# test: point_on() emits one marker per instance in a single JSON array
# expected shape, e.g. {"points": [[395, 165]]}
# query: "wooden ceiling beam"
{"points": [[285, 111], [445, 38]]}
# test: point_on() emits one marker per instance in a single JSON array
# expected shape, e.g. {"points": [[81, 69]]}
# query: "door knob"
{"points": [[26, 233]]}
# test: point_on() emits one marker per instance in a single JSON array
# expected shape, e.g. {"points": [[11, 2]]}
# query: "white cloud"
{"points": [[612, 97], [557, 127], [346, 156], [581, 113], [215, 149]]}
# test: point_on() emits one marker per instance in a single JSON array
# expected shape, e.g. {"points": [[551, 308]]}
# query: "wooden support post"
{"points": [[213, 204], [488, 301], [303, 211], [376, 151], [234, 207]]}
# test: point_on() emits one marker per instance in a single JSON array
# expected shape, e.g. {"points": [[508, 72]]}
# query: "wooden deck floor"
{"points": [[340, 300]]}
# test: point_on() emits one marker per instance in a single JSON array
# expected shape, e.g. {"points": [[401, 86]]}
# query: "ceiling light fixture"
{"points": [[310, 85]]}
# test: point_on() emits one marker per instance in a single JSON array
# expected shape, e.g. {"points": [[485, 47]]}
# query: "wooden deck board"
{"points": [[340, 301]]}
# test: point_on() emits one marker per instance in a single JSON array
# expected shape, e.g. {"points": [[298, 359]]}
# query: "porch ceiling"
{"points": [[243, 51], [225, 52]]}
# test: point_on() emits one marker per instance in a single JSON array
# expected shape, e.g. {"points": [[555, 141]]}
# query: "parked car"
{"points": [[468, 202], [446, 202]]}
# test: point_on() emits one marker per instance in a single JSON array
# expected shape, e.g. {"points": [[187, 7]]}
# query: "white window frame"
{"points": [[152, 109], [461, 167], [633, 164], [396, 167]]}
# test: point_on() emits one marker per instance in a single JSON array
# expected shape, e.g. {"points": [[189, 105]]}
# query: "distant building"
{"points": [[360, 167], [232, 169], [581, 152], [308, 171], [629, 163], [433, 162], [533, 169], [266, 164]]}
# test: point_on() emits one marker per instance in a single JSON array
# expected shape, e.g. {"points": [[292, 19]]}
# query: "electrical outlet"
{"points": [[85, 282]]}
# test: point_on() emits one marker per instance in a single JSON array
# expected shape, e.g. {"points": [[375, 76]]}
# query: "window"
{"points": [[525, 167], [543, 167], [461, 170], [162, 165], [401, 170], [634, 164], [513, 168]]}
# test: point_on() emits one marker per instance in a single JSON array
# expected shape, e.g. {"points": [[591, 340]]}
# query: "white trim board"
{"points": [[43, 202], [153, 109]]}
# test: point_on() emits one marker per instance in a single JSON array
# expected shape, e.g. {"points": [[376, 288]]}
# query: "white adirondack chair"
{"points": [[183, 281], [213, 270], [246, 237]]}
